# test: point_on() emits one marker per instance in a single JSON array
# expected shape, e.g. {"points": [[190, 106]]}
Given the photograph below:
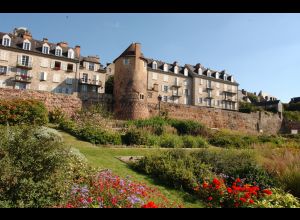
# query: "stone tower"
{"points": [[130, 84]]}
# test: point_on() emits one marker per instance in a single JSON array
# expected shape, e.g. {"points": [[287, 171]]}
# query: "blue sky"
{"points": [[262, 51]]}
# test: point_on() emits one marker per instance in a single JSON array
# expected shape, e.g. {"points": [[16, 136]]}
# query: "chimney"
{"points": [[63, 44], [138, 51], [77, 51], [45, 40], [27, 35]]}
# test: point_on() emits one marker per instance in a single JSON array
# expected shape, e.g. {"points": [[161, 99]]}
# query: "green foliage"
{"points": [[252, 97], [188, 127], [236, 163], [156, 124], [174, 168], [36, 169], [109, 85], [135, 137], [193, 142], [170, 141], [293, 107], [56, 116], [290, 180], [20, 111], [246, 107], [292, 115]]}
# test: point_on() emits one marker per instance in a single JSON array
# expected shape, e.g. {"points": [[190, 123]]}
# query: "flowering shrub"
{"points": [[19, 111], [218, 194], [106, 190]]}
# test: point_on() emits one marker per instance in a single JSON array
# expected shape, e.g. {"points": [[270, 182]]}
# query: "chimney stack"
{"points": [[63, 44], [77, 51], [27, 35]]}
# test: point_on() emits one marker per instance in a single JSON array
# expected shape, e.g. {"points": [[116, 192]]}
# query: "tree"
{"points": [[109, 85]]}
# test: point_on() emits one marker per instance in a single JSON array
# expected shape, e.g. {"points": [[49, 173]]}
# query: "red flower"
{"points": [[229, 190], [267, 191], [205, 185], [251, 201], [238, 180], [243, 200], [90, 199], [210, 198], [216, 181], [236, 204], [69, 205], [149, 205]]}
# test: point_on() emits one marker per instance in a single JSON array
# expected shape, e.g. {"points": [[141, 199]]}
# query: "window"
{"points": [[185, 82], [71, 54], [91, 66], [57, 65], [58, 51], [219, 103], [166, 67], [217, 75], [45, 49], [176, 69], [176, 81], [165, 88], [208, 73], [149, 95], [85, 78], [6, 41], [166, 78], [26, 45], [84, 88], [186, 91], [209, 93], [126, 61], [208, 101], [199, 71], [154, 76], [165, 98], [200, 100], [185, 71], [209, 84], [69, 81], [3, 69], [25, 61], [43, 76], [141, 96], [154, 65], [70, 67]]}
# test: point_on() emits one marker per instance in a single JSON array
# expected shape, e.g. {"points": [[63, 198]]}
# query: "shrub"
{"points": [[174, 168], [155, 125], [36, 169], [236, 164], [109, 85], [170, 141], [135, 137], [292, 115], [56, 116], [188, 127], [19, 111], [193, 142], [246, 107]]}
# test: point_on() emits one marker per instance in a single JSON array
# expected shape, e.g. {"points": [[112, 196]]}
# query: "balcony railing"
{"points": [[91, 82], [230, 91], [24, 65], [23, 78]]}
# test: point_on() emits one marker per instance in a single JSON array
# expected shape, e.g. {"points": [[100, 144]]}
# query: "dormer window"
{"points": [[231, 79], [6, 41], [154, 65], [176, 69], [166, 67], [185, 71], [71, 54], [225, 76], [199, 71], [58, 51], [217, 75], [45, 49], [208, 73], [26, 45]]}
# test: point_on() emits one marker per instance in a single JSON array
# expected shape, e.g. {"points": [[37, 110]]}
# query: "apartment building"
{"points": [[140, 80], [27, 63]]}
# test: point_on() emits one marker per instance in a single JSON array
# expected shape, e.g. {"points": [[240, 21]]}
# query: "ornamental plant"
{"points": [[238, 195], [106, 190]]}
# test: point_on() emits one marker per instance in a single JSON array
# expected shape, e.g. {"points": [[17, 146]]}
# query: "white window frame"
{"points": [[6, 41], [126, 61], [166, 67], [43, 76], [200, 100], [176, 69], [165, 98], [71, 54], [186, 72], [199, 71], [58, 51], [4, 68], [26, 45], [45, 49], [154, 65], [91, 66], [217, 75]]}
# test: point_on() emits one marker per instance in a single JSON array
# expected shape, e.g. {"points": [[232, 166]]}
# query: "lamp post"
{"points": [[159, 100]]}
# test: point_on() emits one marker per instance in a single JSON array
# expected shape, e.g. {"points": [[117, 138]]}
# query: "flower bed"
{"points": [[106, 190]]}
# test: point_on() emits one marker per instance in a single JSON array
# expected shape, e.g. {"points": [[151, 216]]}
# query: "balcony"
{"points": [[176, 94], [23, 78], [24, 65], [92, 82], [177, 84], [229, 99], [230, 92]]}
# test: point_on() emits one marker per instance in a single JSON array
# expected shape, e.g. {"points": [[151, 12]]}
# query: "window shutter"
{"points": [[64, 66], [19, 59], [45, 76], [162, 87], [30, 60], [52, 64]]}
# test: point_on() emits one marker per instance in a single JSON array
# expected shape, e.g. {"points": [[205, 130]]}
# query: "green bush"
{"points": [[188, 127], [17, 111], [290, 180], [193, 142], [292, 115], [236, 163], [156, 124], [170, 141], [135, 137], [56, 116], [293, 107], [175, 168], [36, 169]]}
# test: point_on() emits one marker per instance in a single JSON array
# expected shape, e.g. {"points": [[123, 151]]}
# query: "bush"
{"points": [[174, 168], [19, 111], [36, 169], [135, 137], [236, 164], [188, 127], [293, 107], [170, 141], [246, 107], [155, 125], [292, 115], [56, 116], [109, 85], [193, 142]]}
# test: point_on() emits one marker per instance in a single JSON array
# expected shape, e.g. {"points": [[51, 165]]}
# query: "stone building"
{"points": [[27, 63], [140, 80]]}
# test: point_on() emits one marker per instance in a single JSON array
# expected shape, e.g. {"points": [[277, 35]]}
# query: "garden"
{"points": [[73, 162]]}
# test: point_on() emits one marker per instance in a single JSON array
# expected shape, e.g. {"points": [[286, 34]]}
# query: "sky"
{"points": [[262, 51]]}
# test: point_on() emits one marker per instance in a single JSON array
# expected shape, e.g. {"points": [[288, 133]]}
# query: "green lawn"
{"points": [[101, 157]]}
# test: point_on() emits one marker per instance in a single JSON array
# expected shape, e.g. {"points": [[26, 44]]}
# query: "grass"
{"points": [[103, 157]]}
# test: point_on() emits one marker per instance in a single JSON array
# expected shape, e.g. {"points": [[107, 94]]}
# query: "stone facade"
{"points": [[26, 63], [268, 123]]}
